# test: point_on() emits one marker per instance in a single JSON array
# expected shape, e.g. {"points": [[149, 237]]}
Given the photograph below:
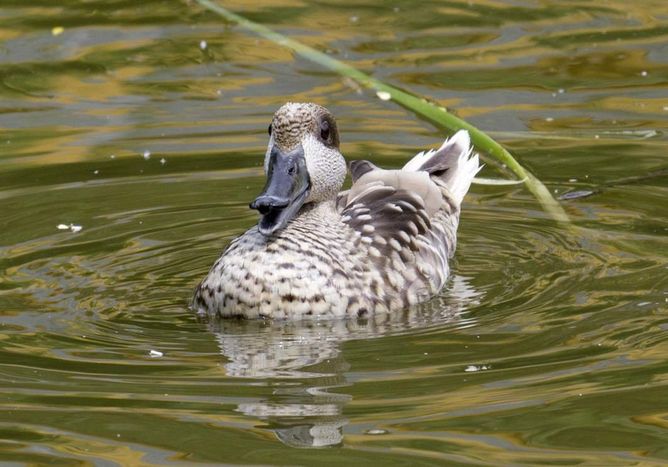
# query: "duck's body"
{"points": [[381, 246]]}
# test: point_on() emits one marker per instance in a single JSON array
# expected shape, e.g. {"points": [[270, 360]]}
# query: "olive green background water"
{"points": [[549, 346]]}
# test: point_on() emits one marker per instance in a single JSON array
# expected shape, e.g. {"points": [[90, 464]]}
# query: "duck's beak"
{"points": [[286, 189]]}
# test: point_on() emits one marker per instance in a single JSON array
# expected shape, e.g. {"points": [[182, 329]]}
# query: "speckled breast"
{"points": [[297, 274]]}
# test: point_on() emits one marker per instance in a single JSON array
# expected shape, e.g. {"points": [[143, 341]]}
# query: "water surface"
{"points": [[547, 347]]}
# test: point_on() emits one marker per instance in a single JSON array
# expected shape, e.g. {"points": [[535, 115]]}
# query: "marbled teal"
{"points": [[318, 252]]}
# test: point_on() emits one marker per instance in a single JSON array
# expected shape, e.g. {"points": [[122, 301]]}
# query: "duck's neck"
{"points": [[318, 209]]}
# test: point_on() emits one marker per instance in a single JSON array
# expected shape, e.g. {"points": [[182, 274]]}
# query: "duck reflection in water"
{"points": [[302, 362]]}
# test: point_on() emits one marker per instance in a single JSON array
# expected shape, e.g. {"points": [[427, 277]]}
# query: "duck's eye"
{"points": [[324, 130], [269, 129]]}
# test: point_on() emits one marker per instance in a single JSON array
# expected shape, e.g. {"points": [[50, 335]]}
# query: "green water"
{"points": [[549, 346]]}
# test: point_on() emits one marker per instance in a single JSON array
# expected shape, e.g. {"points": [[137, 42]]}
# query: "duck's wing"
{"points": [[387, 213], [413, 211], [440, 179]]}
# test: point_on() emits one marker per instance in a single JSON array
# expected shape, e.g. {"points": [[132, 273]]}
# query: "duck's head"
{"points": [[303, 164]]}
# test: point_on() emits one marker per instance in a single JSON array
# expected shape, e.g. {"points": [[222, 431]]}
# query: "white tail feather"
{"points": [[453, 162]]}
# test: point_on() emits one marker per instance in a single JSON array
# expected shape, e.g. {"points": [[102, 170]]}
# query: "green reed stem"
{"points": [[423, 108]]}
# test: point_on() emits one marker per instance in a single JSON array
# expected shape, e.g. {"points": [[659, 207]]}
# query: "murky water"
{"points": [[550, 344]]}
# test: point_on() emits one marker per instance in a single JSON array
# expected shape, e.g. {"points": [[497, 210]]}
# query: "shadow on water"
{"points": [[303, 362]]}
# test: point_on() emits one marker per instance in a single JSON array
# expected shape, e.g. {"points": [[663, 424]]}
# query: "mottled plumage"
{"points": [[381, 246]]}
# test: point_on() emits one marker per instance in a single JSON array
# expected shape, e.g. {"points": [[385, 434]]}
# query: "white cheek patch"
{"points": [[326, 168]]}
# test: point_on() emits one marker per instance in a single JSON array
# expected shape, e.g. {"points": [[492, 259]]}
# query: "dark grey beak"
{"points": [[286, 189]]}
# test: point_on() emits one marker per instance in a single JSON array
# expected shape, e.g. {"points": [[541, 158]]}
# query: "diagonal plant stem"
{"points": [[427, 110]]}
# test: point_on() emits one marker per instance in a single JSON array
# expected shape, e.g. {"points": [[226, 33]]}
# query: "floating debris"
{"points": [[471, 368], [74, 228], [376, 431], [384, 95], [163, 161], [57, 31], [576, 194], [147, 155], [96, 172], [203, 45], [155, 353], [113, 156], [643, 73]]}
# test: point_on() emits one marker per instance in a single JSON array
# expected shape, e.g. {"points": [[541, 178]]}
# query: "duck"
{"points": [[318, 252]]}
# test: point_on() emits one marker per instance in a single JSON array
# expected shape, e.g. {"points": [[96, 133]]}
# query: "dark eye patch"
{"points": [[325, 131]]}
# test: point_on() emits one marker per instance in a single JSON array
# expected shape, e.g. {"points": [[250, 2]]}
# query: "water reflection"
{"points": [[303, 362]]}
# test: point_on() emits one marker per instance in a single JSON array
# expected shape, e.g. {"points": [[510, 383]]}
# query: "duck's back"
{"points": [[383, 246]]}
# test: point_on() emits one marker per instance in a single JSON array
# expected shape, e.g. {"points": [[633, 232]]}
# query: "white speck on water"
{"points": [[376, 431], [384, 95], [203, 45], [643, 73], [596, 136], [556, 191], [57, 31], [219, 92], [354, 19], [472, 368], [118, 435], [561, 91], [163, 161], [113, 156], [580, 394], [426, 353], [96, 172], [665, 108], [71, 227], [396, 9], [572, 180], [644, 303], [549, 119], [147, 155], [155, 354]]}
